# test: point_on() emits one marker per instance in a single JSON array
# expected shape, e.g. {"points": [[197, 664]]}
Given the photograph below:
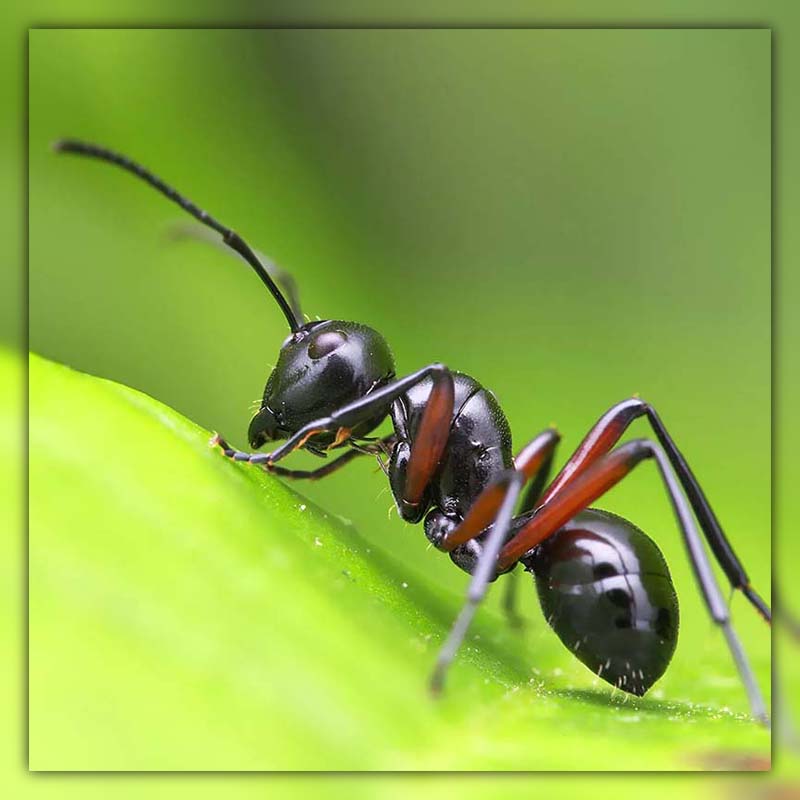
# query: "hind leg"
{"points": [[580, 491]]}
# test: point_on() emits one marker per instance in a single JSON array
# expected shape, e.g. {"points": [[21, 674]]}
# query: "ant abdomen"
{"points": [[606, 591]]}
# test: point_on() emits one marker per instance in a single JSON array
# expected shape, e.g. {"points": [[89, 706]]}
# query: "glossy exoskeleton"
{"points": [[603, 585], [606, 590]]}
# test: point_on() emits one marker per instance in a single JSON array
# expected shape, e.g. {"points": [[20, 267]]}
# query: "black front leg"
{"points": [[302, 474], [343, 420]]}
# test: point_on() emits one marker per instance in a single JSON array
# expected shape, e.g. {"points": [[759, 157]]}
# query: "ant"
{"points": [[603, 584]]}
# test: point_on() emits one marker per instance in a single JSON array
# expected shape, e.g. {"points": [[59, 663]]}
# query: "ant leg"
{"points": [[600, 439], [513, 617], [539, 478], [531, 496], [605, 434], [344, 419], [279, 275], [486, 507], [347, 417], [493, 508], [596, 480], [294, 474], [428, 448], [484, 572], [719, 542], [238, 455]]}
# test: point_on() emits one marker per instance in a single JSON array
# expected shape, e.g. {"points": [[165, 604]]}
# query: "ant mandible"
{"points": [[603, 585]]}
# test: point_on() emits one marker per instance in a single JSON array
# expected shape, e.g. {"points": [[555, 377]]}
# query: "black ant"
{"points": [[604, 586]]}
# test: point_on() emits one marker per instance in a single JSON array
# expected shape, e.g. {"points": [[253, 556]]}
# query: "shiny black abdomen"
{"points": [[479, 447], [605, 589]]}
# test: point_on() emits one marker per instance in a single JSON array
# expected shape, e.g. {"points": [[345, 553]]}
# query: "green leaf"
{"points": [[188, 612]]}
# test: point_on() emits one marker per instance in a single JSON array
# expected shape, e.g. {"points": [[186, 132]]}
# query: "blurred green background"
{"points": [[592, 206]]}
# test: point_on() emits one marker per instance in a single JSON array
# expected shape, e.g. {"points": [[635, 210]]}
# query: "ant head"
{"points": [[322, 366]]}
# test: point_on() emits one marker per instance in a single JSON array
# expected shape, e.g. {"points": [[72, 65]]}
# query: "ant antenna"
{"points": [[229, 237]]}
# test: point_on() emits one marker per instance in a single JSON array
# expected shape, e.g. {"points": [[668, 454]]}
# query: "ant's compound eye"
{"points": [[326, 343]]}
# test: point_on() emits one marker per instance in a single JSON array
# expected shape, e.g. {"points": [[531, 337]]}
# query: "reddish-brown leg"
{"points": [[483, 511], [573, 498], [533, 459], [596, 479], [416, 465], [431, 439], [493, 509], [602, 437], [605, 434], [412, 466]]}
